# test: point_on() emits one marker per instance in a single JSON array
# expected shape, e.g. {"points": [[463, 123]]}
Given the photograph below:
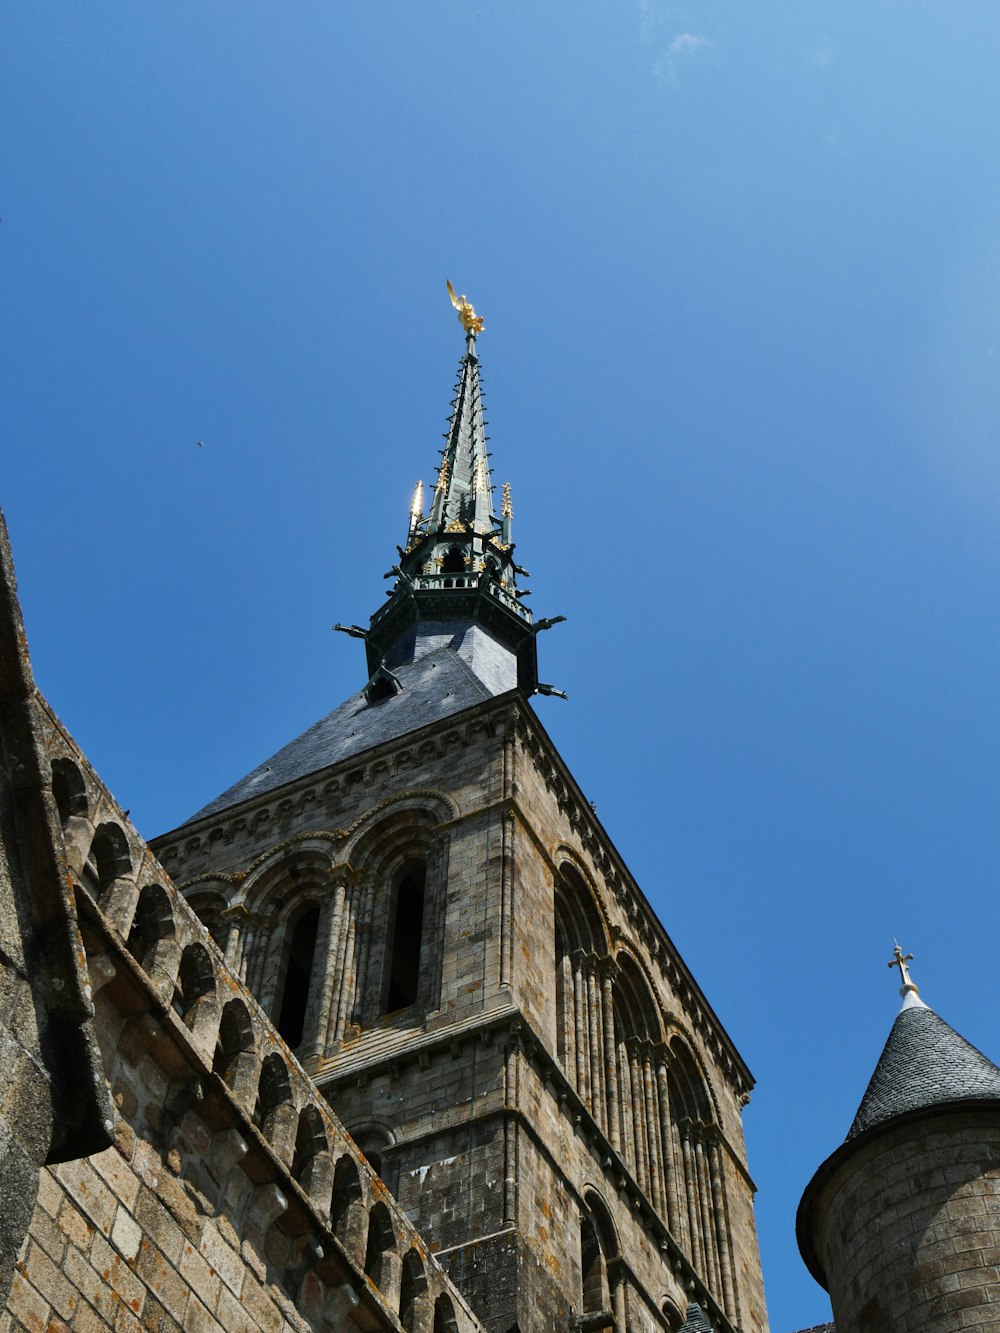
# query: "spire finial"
{"points": [[899, 959], [507, 511], [467, 317]]}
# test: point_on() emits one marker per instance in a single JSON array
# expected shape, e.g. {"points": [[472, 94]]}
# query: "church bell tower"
{"points": [[421, 897]]}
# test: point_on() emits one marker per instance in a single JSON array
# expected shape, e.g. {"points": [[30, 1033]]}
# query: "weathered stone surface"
{"points": [[901, 1223]]}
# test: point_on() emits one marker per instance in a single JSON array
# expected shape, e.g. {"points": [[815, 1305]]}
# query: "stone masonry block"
{"points": [[26, 1305], [90, 1193], [223, 1259], [126, 1234], [118, 1175], [200, 1276]]}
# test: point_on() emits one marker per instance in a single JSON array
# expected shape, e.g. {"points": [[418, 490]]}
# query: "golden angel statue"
{"points": [[467, 317]]}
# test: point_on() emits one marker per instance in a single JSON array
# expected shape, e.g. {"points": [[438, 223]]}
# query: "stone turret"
{"points": [[899, 1223]]}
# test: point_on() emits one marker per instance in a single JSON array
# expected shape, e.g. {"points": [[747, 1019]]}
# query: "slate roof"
{"points": [[925, 1063], [696, 1321], [434, 686]]}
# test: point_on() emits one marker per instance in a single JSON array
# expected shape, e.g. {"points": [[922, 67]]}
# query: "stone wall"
{"points": [[905, 1226], [502, 823], [232, 1196], [53, 1100]]}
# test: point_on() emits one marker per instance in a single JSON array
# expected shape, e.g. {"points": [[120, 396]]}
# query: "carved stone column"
{"points": [[344, 978], [261, 929], [652, 1119], [579, 1025], [595, 1063], [711, 1270], [721, 1223], [330, 988], [234, 922], [608, 970], [662, 1058], [274, 938], [695, 1239], [313, 1045], [364, 1000], [638, 1114], [431, 963]]}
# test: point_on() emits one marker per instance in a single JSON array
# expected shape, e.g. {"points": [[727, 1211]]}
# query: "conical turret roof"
{"points": [[925, 1063]]}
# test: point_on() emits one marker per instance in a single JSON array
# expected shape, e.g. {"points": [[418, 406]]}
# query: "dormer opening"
{"points": [[383, 685]]}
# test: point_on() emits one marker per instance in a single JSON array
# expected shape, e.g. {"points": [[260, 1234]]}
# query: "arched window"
{"points": [[593, 1269], [444, 1315], [235, 1060], [109, 860], [208, 905], [454, 561], [275, 1113], [637, 1035], [699, 1171], [68, 789], [412, 1290], [381, 1239], [347, 1208], [152, 939], [294, 993], [389, 916], [600, 1266], [375, 1144], [579, 946], [312, 1165], [404, 937], [672, 1315]]}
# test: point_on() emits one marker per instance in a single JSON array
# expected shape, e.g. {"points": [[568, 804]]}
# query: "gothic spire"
{"points": [[457, 568], [464, 490]]}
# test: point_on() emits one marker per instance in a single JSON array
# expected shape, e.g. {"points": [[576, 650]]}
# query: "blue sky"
{"points": [[740, 269]]}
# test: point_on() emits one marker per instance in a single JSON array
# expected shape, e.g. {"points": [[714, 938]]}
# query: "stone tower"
{"points": [[422, 900], [899, 1224]]}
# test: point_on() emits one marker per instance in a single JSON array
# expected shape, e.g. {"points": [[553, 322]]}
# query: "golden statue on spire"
{"points": [[467, 317]]}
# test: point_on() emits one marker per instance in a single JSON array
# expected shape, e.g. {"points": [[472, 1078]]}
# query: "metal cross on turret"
{"points": [[899, 959]]}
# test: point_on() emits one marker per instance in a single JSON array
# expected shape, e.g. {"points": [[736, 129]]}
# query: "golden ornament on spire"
{"points": [[444, 476], [467, 317], [507, 509], [417, 504]]}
